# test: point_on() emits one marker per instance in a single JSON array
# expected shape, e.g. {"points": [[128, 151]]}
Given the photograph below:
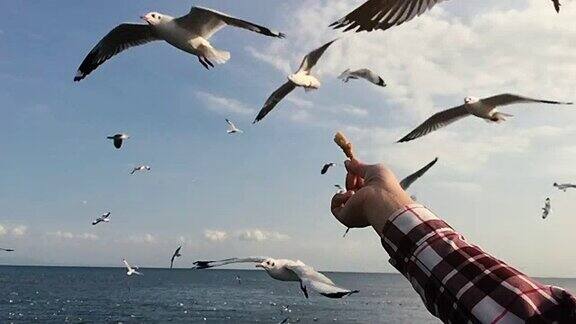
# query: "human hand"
{"points": [[373, 194]]}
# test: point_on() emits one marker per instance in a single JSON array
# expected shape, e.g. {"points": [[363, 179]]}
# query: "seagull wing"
{"points": [[219, 263], [325, 168], [370, 76], [437, 121], [127, 265], [409, 180], [206, 22], [312, 58], [310, 278], [383, 14], [274, 99], [510, 99], [557, 5], [232, 126], [117, 40]]}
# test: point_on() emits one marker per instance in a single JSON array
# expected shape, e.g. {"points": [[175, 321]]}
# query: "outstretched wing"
{"points": [[274, 99], [557, 5], [310, 278], [127, 265], [313, 57], [370, 76], [219, 263], [117, 40], [435, 122], [509, 99], [409, 180], [206, 22], [383, 14]]}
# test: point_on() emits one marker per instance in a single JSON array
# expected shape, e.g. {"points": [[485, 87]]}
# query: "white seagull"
{"points": [[119, 139], [104, 218], [131, 271], [288, 270], [486, 109], [384, 14], [141, 168], [564, 186], [232, 129], [546, 209], [302, 78], [365, 74], [189, 33]]}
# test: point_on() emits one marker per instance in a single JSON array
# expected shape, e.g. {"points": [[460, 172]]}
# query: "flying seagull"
{"points": [[6, 250], [409, 180], [189, 33], [326, 167], [362, 74], [546, 209], [141, 168], [131, 270], [232, 129], [288, 270], [175, 255], [384, 14], [486, 109], [118, 139], [302, 78], [564, 186], [104, 218], [339, 187]]}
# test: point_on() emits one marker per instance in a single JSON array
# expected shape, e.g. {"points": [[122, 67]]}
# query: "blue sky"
{"points": [[261, 193]]}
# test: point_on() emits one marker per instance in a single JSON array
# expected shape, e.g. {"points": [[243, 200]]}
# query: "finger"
{"points": [[350, 181], [350, 213], [339, 200], [355, 167]]}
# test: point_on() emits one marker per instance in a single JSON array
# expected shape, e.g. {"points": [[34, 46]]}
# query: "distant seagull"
{"points": [[362, 74], [326, 167], [484, 108], [141, 168], [384, 14], [409, 180], [104, 218], [302, 78], [175, 255], [189, 33], [339, 187], [119, 139], [232, 129], [564, 186], [6, 250], [238, 279], [288, 270], [131, 270], [546, 209]]}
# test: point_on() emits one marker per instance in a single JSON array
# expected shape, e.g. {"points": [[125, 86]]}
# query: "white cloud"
{"points": [[146, 238], [19, 230], [65, 235], [223, 104], [3, 230], [215, 235], [258, 235]]}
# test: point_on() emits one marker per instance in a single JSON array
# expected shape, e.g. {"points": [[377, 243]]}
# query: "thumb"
{"points": [[355, 167]]}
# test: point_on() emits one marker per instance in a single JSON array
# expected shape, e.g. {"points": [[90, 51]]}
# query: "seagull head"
{"points": [[471, 100], [268, 264], [152, 18]]}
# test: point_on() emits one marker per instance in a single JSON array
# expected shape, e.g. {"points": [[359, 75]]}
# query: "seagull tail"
{"points": [[500, 117], [218, 56], [344, 75]]}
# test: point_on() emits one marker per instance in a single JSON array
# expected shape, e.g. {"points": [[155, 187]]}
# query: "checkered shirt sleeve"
{"points": [[460, 283]]}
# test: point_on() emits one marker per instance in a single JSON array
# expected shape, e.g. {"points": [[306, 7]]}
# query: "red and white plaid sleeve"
{"points": [[460, 283]]}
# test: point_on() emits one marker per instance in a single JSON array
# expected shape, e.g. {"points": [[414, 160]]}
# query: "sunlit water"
{"points": [[48, 294]]}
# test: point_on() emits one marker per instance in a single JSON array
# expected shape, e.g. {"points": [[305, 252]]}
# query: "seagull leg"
{"points": [[208, 61], [203, 63], [304, 290]]}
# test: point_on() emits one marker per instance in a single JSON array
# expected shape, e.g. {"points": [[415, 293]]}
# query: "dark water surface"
{"points": [[52, 294]]}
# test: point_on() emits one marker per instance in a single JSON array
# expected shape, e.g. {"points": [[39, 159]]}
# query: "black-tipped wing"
{"points": [[557, 5], [409, 180], [7, 250], [206, 22], [117, 40], [383, 14], [274, 99], [437, 121], [118, 143], [313, 57], [310, 278], [325, 168], [509, 99], [369, 76], [211, 264]]}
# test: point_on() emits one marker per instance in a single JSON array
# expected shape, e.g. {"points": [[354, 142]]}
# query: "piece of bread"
{"points": [[346, 146]]}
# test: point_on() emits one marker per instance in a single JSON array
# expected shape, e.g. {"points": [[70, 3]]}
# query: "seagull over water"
{"points": [[232, 129], [141, 168], [6, 250], [288, 270], [190, 33], [119, 139], [175, 255], [104, 218], [546, 209], [302, 78], [384, 14], [326, 167], [365, 74], [564, 186], [131, 271], [486, 109]]}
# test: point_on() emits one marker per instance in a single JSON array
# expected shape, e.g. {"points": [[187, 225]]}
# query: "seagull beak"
{"points": [[144, 18], [259, 265]]}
